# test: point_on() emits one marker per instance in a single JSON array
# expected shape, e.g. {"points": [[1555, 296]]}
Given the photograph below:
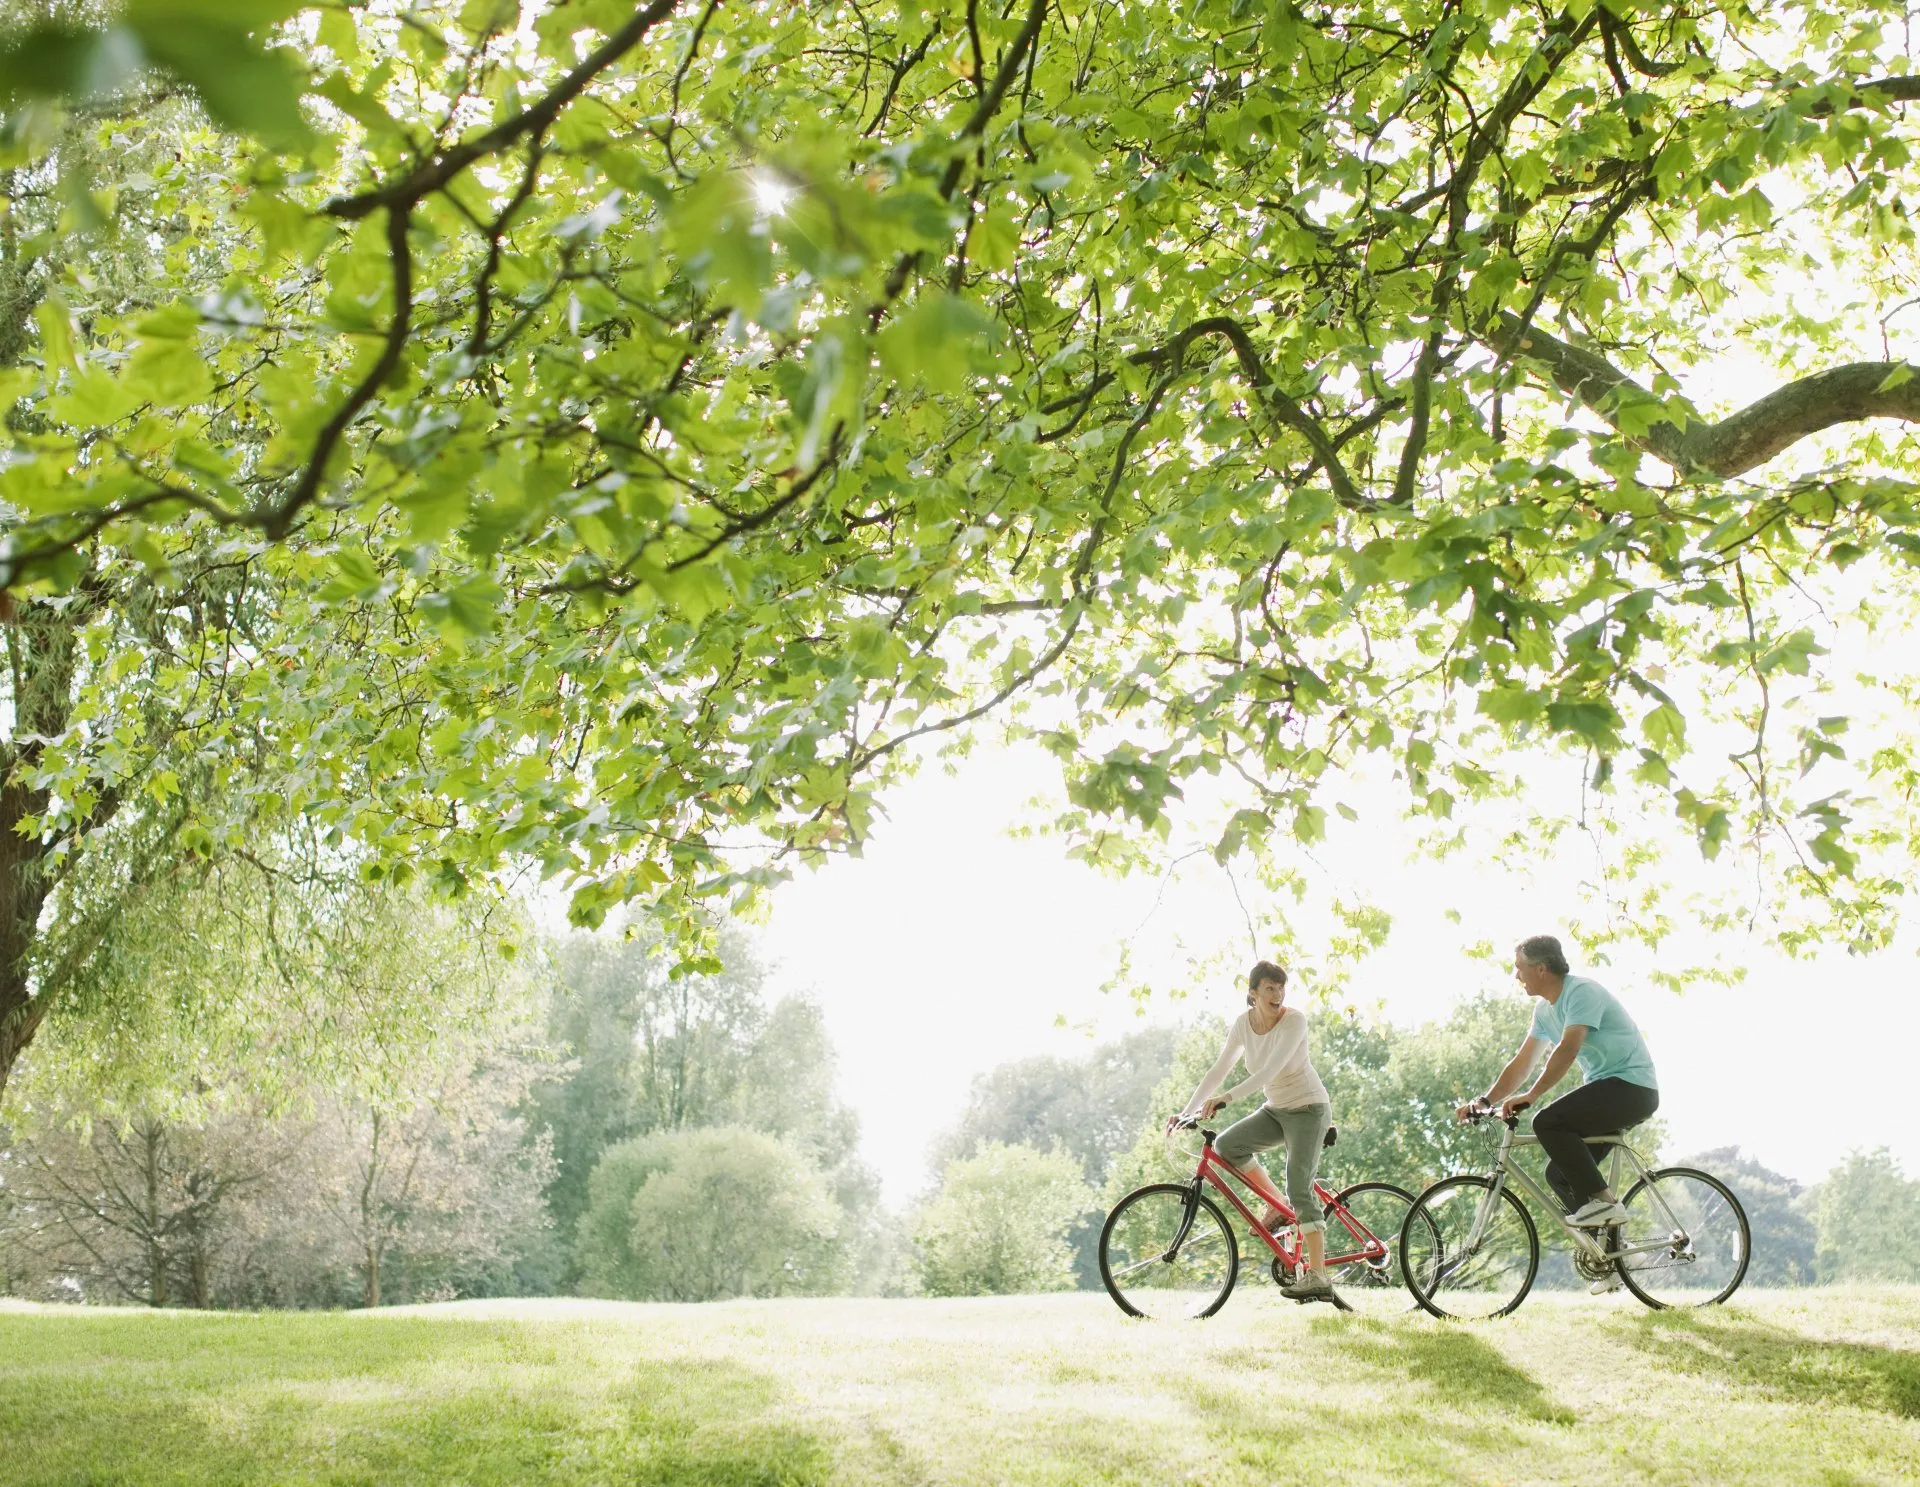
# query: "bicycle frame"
{"points": [[1506, 1169], [1214, 1171]]}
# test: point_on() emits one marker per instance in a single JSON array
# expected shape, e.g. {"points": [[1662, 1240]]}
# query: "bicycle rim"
{"points": [[1372, 1287], [1686, 1239], [1458, 1265], [1146, 1276]]}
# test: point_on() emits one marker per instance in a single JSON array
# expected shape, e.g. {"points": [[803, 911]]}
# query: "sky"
{"points": [[952, 945]]}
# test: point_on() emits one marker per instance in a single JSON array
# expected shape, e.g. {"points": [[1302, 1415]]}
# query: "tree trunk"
{"points": [[41, 646], [370, 1296], [23, 892], [156, 1252], [202, 1276]]}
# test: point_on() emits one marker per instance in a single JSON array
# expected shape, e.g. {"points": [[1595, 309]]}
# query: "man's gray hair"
{"points": [[1543, 950]]}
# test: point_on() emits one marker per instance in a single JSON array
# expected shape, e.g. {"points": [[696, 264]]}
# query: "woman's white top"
{"points": [[1276, 1062]]}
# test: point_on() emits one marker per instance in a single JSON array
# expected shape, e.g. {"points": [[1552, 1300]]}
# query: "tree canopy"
{"points": [[640, 427]]}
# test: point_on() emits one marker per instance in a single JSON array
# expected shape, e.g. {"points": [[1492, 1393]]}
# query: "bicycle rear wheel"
{"points": [[1686, 1239], [1369, 1284], [1146, 1275], [1465, 1254]]}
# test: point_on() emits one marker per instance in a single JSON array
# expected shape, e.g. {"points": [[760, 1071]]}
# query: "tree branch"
{"points": [[536, 119], [1741, 441]]}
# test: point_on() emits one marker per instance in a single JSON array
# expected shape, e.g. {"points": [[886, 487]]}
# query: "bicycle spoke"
{"points": [[1686, 1241], [1146, 1275], [1466, 1253], [1210, 1245]]}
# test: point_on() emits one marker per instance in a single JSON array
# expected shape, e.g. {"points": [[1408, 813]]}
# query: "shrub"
{"points": [[709, 1214], [999, 1224]]}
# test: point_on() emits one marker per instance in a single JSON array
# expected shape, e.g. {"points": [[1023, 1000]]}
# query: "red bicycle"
{"points": [[1168, 1251]]}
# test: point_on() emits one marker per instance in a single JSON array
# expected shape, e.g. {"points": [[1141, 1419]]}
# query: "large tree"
{"points": [[697, 405]]}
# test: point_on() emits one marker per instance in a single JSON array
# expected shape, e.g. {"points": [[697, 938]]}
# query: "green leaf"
{"points": [[938, 341], [1665, 729], [1589, 719], [243, 87], [995, 240], [468, 610], [1510, 705], [715, 227], [56, 333], [169, 374], [357, 576]]}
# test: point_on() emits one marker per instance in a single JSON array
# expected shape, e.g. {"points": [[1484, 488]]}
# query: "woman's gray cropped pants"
{"points": [[1301, 1131]]}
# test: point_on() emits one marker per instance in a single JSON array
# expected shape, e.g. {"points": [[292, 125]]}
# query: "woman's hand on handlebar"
{"points": [[1514, 1105], [1475, 1109], [1206, 1112]]}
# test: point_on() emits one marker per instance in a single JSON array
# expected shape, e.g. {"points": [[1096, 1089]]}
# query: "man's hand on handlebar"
{"points": [[1479, 1108]]}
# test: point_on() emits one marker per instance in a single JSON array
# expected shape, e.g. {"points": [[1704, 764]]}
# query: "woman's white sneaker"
{"points": [[1605, 1286], [1597, 1213]]}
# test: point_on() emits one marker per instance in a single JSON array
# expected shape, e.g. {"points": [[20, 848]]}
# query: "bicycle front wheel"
{"points": [[1467, 1253], [1685, 1242], [1153, 1269], [1363, 1247]]}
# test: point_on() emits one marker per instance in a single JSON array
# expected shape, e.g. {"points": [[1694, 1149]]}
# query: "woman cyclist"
{"points": [[1272, 1038]]}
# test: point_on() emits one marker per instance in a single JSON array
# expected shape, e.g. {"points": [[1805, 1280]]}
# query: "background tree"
{"points": [[333, 1199], [1784, 1238], [1091, 1107], [147, 1210], [339, 1007], [450, 1179], [1867, 1212], [999, 1224], [702, 1215], [646, 1051]]}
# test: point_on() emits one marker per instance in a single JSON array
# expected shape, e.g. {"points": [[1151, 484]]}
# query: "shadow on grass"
{"points": [[373, 1402], [1463, 1369], [1781, 1363]]}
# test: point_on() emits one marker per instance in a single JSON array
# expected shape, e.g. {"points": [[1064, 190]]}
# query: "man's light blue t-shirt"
{"points": [[1614, 1048]]}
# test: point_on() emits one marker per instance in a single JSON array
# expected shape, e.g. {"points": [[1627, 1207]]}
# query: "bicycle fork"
{"points": [[1186, 1223]]}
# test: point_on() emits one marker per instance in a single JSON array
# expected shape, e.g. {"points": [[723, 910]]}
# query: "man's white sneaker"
{"points": [[1605, 1286], [1597, 1213]]}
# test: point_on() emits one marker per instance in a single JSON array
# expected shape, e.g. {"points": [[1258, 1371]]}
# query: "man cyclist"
{"points": [[1580, 1020]]}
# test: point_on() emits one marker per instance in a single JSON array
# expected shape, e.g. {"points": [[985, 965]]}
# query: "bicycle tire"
{"points": [[1135, 1205], [1432, 1226], [1638, 1273]]}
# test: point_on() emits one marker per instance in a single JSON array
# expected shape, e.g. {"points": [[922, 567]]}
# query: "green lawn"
{"points": [[1819, 1386]]}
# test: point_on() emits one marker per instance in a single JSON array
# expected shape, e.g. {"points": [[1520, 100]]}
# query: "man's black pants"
{"points": [[1596, 1109]]}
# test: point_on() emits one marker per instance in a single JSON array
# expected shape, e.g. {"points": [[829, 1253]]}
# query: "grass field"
{"points": [[1817, 1386]]}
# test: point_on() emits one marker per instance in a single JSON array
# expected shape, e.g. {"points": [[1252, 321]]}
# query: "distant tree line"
{"points": [[311, 1091], [569, 1117]]}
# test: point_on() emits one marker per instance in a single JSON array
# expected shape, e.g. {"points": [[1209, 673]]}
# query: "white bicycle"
{"points": [[1469, 1247]]}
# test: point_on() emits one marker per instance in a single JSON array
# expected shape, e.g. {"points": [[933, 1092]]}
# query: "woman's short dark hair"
{"points": [[1263, 971], [1543, 950]]}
